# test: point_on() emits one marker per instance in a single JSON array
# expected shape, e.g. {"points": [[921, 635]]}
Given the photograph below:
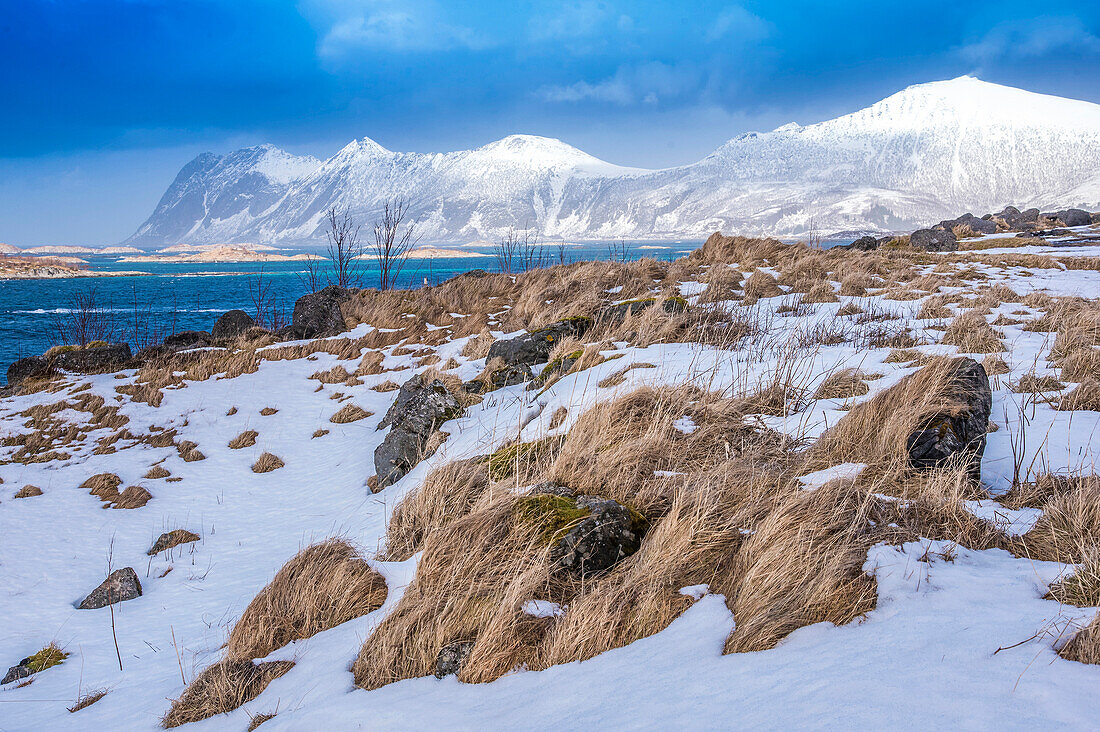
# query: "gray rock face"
{"points": [[232, 324], [511, 375], [1075, 217], [535, 347], [27, 367], [418, 411], [934, 240], [88, 360], [864, 244], [188, 339], [120, 585], [452, 657], [318, 315], [19, 671], [598, 541], [980, 225], [946, 437]]}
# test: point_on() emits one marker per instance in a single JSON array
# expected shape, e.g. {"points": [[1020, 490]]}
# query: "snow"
{"points": [[685, 425], [543, 609], [844, 471]]}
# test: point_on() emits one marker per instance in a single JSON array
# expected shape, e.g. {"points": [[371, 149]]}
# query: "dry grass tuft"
{"points": [[103, 486], [1082, 588], [222, 688], [319, 433], [243, 440], [995, 365], [386, 386], [1070, 522], [133, 497], [156, 472], [1086, 397], [843, 384], [88, 699], [970, 333], [349, 413], [266, 463], [258, 719], [189, 451], [761, 284], [28, 491], [1084, 646], [323, 586], [268, 411]]}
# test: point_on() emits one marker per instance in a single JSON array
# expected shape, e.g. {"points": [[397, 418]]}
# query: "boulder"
{"points": [[943, 438], [452, 657], [511, 375], [560, 365], [617, 313], [1075, 217], [186, 339], [120, 585], [27, 367], [415, 415], [864, 244], [318, 314], [609, 533], [934, 240], [535, 347], [231, 325], [20, 671], [94, 358], [982, 226]]}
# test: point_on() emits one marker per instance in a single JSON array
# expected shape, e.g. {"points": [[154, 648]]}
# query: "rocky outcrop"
{"points": [[864, 244], [318, 314], [26, 368], [979, 225], [934, 240], [120, 585], [535, 347], [958, 434], [232, 325], [186, 339], [609, 533], [1073, 217], [93, 358], [415, 415], [452, 657]]}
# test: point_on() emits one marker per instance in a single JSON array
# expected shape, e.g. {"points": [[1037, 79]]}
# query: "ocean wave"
{"points": [[70, 311]]}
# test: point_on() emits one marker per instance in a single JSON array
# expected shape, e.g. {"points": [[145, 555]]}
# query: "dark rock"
{"points": [[416, 413], [452, 658], [981, 226], [231, 325], [1075, 217], [94, 358], [1029, 216], [186, 339], [318, 314], [120, 585], [511, 375], [476, 274], [474, 386], [934, 240], [535, 347], [954, 436], [1095, 216], [27, 367], [560, 365], [597, 542], [20, 671], [864, 244]]}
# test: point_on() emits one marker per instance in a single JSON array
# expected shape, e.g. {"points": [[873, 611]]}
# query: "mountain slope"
{"points": [[928, 152]]}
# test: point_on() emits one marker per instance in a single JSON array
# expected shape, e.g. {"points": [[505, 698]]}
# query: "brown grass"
{"points": [[243, 440], [323, 586], [221, 688], [1070, 522], [1084, 646], [133, 497], [1085, 397], [88, 699], [268, 411], [319, 433], [970, 333], [103, 486], [266, 463], [28, 491], [156, 472], [349, 413], [1082, 587], [843, 384]]}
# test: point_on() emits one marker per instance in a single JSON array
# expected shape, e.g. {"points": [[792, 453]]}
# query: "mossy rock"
{"points": [[553, 515], [560, 365], [48, 657]]}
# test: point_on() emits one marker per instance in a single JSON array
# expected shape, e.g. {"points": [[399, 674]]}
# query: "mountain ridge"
{"points": [[927, 152]]}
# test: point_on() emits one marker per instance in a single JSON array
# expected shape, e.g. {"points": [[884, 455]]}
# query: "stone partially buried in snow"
{"points": [[231, 325], [120, 585], [25, 368], [535, 347], [961, 433], [186, 339], [934, 240], [452, 657], [417, 413]]}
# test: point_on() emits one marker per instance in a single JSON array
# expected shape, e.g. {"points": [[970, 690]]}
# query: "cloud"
{"points": [[1032, 38], [385, 25], [739, 24], [649, 83], [571, 20]]}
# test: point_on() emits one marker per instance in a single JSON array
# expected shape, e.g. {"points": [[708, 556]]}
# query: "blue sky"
{"points": [[104, 100]]}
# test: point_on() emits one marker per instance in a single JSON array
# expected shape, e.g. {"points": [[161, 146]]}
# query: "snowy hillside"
{"points": [[921, 155]]}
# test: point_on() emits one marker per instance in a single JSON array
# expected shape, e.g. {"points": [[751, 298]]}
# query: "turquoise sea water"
{"points": [[175, 297]]}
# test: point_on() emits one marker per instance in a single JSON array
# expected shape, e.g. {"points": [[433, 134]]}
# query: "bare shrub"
{"points": [[323, 586]]}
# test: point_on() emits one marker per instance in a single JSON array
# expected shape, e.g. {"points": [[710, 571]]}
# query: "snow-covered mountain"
{"points": [[929, 152]]}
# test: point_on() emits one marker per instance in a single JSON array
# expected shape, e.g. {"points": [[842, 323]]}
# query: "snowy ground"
{"points": [[926, 656]]}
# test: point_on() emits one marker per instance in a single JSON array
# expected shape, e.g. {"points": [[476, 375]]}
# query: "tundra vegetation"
{"points": [[569, 459]]}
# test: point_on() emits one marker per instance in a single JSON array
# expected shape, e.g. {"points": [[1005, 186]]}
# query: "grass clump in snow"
{"points": [[103, 486], [268, 411], [133, 497], [1085, 397], [48, 657], [243, 440], [266, 463], [156, 472], [1070, 521], [88, 699], [970, 333], [28, 491], [349, 413], [1082, 587], [843, 384], [222, 688], [521, 458], [1084, 646], [323, 586]]}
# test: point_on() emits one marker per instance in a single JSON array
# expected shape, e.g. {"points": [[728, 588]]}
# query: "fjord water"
{"points": [[172, 297]]}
